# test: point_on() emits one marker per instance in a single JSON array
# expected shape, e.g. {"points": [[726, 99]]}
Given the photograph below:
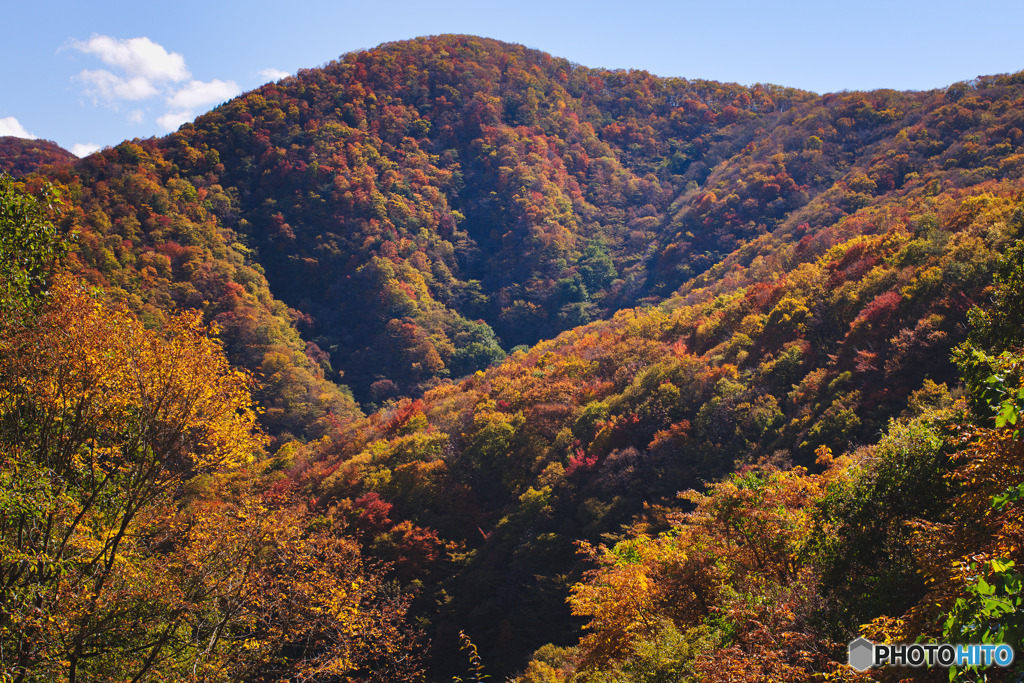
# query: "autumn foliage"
{"points": [[437, 333], [114, 567]]}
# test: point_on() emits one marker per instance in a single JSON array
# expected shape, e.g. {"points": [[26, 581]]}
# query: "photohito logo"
{"points": [[863, 654]]}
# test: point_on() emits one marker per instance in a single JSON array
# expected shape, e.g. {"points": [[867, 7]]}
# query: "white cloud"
{"points": [[199, 93], [172, 120], [139, 57], [273, 74], [10, 126], [102, 84], [84, 149], [140, 69]]}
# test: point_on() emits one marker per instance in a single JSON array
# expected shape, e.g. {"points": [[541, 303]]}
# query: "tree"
{"points": [[29, 244], [100, 420], [283, 596]]}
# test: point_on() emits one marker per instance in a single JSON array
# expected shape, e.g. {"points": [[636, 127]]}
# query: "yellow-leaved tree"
{"points": [[101, 420]]}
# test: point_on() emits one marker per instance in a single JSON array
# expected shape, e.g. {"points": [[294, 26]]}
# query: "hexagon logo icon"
{"points": [[861, 654]]}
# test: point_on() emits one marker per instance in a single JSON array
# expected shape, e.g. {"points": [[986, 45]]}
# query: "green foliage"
{"points": [[992, 612], [30, 246], [991, 371], [667, 656], [863, 546]]}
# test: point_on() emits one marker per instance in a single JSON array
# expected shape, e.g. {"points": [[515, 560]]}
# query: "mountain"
{"points": [[429, 205], [434, 203], [498, 304], [19, 156]]}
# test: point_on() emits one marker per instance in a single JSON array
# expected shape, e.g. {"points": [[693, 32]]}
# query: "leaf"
{"points": [[1000, 566]]}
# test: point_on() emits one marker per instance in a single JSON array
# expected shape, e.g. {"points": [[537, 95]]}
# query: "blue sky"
{"points": [[88, 74]]}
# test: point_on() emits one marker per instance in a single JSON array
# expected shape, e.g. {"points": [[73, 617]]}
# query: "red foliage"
{"points": [[881, 308], [580, 463], [373, 513]]}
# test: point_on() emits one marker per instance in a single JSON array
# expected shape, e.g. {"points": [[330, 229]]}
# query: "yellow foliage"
{"points": [[101, 420]]}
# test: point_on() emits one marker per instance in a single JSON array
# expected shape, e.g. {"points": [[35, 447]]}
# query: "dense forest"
{"points": [[19, 156], [455, 359]]}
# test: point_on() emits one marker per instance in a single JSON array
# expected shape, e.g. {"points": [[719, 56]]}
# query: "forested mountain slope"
{"points": [[578, 436], [430, 204], [561, 295], [20, 156]]}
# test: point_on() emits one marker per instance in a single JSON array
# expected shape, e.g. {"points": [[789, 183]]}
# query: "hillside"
{"points": [[578, 436], [429, 205], [497, 304], [19, 156]]}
